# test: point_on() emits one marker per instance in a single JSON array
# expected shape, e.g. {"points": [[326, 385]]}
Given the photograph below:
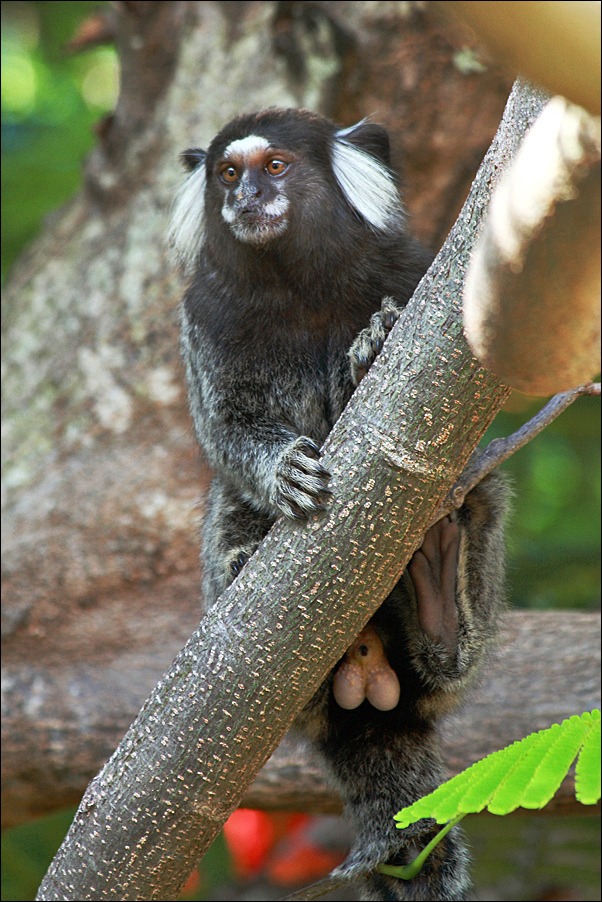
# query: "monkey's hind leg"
{"points": [[385, 760], [386, 766], [435, 626], [232, 531]]}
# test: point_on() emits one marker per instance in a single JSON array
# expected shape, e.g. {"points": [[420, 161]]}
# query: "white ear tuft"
{"points": [[186, 229], [366, 183]]}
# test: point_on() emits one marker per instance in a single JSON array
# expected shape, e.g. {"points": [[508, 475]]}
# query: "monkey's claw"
{"points": [[300, 482], [239, 562]]}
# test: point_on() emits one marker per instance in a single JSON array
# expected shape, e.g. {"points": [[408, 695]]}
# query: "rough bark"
{"points": [[232, 692], [102, 484]]}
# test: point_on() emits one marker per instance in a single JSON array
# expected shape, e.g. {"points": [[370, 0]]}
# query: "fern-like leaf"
{"points": [[525, 774], [587, 774]]}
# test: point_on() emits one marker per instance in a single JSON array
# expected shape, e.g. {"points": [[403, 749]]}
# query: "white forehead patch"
{"points": [[366, 183], [186, 229], [247, 147]]}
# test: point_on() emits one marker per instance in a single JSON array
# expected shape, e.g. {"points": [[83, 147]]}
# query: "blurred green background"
{"points": [[51, 100]]}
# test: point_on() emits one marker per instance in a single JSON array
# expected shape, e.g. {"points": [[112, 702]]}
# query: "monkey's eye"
{"points": [[276, 167], [229, 174]]}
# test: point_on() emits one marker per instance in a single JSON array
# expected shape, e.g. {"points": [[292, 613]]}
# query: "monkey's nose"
{"points": [[248, 192]]}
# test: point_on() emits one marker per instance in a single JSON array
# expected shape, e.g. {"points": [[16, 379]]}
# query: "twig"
{"points": [[497, 451], [315, 890]]}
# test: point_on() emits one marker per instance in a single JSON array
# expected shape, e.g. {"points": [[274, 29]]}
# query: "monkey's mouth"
{"points": [[260, 218], [258, 226]]}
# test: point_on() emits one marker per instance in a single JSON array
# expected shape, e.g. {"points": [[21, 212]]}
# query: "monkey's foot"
{"points": [[365, 673], [375, 844], [433, 570], [369, 342], [300, 482], [444, 875], [237, 558]]}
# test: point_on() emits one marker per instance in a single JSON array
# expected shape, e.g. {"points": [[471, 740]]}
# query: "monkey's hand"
{"points": [[236, 558], [300, 483], [369, 342]]}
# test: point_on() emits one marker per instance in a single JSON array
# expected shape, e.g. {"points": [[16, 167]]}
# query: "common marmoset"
{"points": [[293, 232]]}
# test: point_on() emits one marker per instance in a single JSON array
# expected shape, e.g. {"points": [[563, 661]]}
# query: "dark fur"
{"points": [[275, 338]]}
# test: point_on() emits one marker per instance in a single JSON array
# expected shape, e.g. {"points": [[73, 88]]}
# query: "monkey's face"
{"points": [[286, 173], [252, 177]]}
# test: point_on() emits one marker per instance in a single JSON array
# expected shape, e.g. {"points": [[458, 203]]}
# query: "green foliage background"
{"points": [[50, 103]]}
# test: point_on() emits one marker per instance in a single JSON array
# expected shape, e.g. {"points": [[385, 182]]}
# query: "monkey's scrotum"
{"points": [[365, 673]]}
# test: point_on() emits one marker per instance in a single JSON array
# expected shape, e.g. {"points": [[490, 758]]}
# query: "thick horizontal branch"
{"points": [[60, 727]]}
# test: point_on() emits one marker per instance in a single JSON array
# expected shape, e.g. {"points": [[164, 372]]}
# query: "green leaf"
{"points": [[566, 743], [587, 775], [527, 754], [526, 773]]}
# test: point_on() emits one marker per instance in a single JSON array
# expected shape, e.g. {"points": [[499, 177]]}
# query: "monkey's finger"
{"points": [[310, 485], [297, 506], [309, 465], [307, 447], [390, 313], [290, 508], [239, 562]]}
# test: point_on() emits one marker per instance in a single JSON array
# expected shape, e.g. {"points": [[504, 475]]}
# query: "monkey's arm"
{"points": [[262, 456]]}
